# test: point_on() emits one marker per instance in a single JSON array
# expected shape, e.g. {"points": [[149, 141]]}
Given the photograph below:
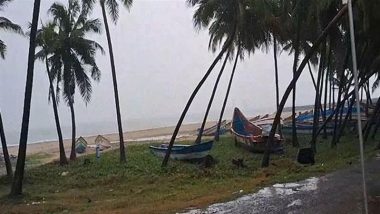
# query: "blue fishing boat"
{"points": [[251, 136], [80, 145], [305, 128], [183, 152]]}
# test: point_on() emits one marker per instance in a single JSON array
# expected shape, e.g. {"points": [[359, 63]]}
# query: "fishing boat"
{"points": [[80, 145], [183, 152], [102, 142], [212, 130], [251, 136], [305, 128]]}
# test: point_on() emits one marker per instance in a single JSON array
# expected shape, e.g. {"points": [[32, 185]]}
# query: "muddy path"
{"points": [[335, 193]]}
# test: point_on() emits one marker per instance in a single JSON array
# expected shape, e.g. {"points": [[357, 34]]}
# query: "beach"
{"points": [[162, 134], [48, 151]]}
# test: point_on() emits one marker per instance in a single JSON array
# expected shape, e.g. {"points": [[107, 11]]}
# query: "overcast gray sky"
{"points": [[159, 60]]}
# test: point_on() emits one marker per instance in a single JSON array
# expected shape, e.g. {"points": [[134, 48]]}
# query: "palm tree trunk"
{"points": [[347, 96], [326, 89], [266, 156], [315, 84], [330, 89], [295, 64], [200, 133], [333, 94], [294, 125], [224, 49], [346, 118], [377, 125], [312, 76], [114, 79], [20, 165], [317, 96], [73, 153], [62, 153], [8, 164], [335, 133], [372, 120], [337, 121], [276, 79], [369, 99], [276, 71], [226, 96]]}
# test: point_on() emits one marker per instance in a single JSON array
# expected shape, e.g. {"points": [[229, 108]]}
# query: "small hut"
{"points": [[103, 142], [80, 145]]}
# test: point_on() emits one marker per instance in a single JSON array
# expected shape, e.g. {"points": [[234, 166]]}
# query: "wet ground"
{"points": [[338, 192]]}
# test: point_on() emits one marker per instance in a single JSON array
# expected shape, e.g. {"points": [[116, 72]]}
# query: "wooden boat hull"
{"points": [[259, 147], [80, 145], [80, 148], [304, 129], [183, 152], [251, 136]]}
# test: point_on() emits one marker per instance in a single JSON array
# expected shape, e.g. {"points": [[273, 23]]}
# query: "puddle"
{"points": [[268, 199]]}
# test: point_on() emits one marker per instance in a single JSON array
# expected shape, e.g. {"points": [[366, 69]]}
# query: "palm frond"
{"points": [[6, 24], [127, 4], [4, 3], [113, 9], [3, 49]]}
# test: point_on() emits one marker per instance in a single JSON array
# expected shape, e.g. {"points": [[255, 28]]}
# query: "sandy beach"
{"points": [[49, 150], [163, 134]]}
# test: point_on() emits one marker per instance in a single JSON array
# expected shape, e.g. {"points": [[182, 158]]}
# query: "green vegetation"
{"points": [[142, 186]]}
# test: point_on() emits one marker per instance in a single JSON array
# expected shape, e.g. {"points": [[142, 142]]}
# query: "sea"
{"points": [[47, 134]]}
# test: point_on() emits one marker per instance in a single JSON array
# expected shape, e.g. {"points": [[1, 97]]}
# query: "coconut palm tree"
{"points": [[308, 56], [229, 14], [112, 7], [20, 165], [218, 29], [223, 17], [6, 25], [46, 41], [73, 56]]}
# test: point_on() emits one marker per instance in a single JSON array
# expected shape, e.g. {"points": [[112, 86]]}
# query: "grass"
{"points": [[142, 186]]}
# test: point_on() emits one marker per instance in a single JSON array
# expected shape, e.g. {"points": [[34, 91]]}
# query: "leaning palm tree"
{"points": [[251, 34], [73, 56], [226, 45], [308, 56], [46, 41], [6, 25], [20, 165], [113, 10], [229, 27], [227, 24]]}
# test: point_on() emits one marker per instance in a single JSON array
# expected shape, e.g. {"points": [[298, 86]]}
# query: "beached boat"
{"points": [[212, 130], [103, 142], [251, 136], [80, 145], [305, 128], [183, 152]]}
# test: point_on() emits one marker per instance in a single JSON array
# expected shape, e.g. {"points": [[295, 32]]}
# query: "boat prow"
{"points": [[251, 136]]}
